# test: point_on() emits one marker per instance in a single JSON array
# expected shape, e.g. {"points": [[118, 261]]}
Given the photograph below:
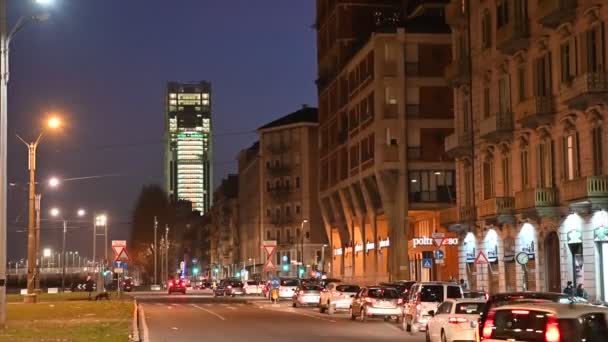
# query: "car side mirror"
{"points": [[431, 313]]}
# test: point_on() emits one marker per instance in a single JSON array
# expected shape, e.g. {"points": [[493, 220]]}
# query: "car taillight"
{"points": [[399, 301], [301, 292], [229, 286], [170, 283], [457, 320], [552, 331], [488, 327], [520, 312], [369, 300]]}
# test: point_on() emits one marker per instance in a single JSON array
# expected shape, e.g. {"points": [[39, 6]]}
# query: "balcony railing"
{"points": [[496, 206], [585, 88], [455, 14], [514, 35], [497, 126], [535, 198], [552, 13], [535, 111], [280, 192], [585, 188], [457, 215], [457, 72], [458, 144]]}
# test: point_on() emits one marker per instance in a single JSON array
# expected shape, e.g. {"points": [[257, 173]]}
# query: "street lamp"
{"points": [[54, 182], [302, 250], [55, 213]]}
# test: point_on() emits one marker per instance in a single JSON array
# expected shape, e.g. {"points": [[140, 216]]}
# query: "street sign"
{"points": [[438, 239], [427, 263], [269, 247], [269, 265], [481, 259], [122, 256], [118, 270], [439, 255], [118, 245]]}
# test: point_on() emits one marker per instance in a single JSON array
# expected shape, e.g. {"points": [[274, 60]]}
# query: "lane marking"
{"points": [[293, 311], [209, 311], [142, 316]]}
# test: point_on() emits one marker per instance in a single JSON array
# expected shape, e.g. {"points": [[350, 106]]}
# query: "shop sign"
{"points": [[369, 246], [575, 236], [358, 248], [426, 241], [601, 233], [348, 250], [338, 251], [384, 243]]}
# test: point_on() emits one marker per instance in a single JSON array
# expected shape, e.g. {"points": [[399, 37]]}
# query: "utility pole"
{"points": [[3, 157], [37, 247], [94, 238], [167, 250], [65, 259], [162, 259], [155, 252], [31, 237]]}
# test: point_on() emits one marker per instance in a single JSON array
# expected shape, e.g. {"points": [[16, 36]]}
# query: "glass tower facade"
{"points": [[188, 148]]}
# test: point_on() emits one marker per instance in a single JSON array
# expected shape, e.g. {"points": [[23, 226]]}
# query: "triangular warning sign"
{"points": [[117, 249], [122, 256], [438, 242], [269, 266], [481, 259], [269, 250]]}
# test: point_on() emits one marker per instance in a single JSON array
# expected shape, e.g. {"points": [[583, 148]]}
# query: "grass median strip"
{"points": [[69, 321]]}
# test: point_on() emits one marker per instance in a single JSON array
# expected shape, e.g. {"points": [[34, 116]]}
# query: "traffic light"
{"points": [[285, 267], [195, 271], [301, 272], [238, 274], [216, 270]]}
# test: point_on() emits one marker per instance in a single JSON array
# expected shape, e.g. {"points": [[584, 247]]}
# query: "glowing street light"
{"points": [[55, 212], [47, 253], [54, 123], [101, 220], [54, 182], [45, 2], [81, 212]]}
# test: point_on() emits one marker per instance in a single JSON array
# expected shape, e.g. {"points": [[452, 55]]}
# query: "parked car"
{"points": [[337, 296], [454, 320], [550, 322], [376, 301], [424, 297], [500, 299], [253, 287], [306, 295], [176, 285], [288, 287], [476, 294]]}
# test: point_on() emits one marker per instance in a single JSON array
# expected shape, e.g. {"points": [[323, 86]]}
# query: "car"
{"points": [[403, 286], [176, 285], [337, 296], [327, 281], [376, 301], [234, 288], [288, 287], [500, 299], [548, 321], [222, 288], [306, 295], [127, 285], [476, 294], [253, 287], [454, 320], [424, 297]]}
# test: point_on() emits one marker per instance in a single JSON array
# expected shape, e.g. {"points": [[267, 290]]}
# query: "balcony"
{"points": [[455, 16], [539, 199], [535, 111], [551, 13], [457, 215], [591, 190], [513, 36], [278, 169], [500, 208], [391, 111], [586, 90], [278, 148], [458, 73], [457, 145], [497, 127]]}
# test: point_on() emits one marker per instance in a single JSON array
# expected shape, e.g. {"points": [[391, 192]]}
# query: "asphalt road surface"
{"points": [[204, 318]]}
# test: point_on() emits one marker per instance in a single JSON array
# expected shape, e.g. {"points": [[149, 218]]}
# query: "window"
{"points": [[470, 308], [277, 212], [307, 235], [545, 162], [268, 164], [267, 186], [542, 72], [521, 83], [598, 158], [488, 178], [268, 212], [298, 233], [486, 30], [595, 49], [506, 175], [444, 308], [288, 235], [287, 211], [287, 182], [268, 235], [466, 120], [432, 293], [297, 209], [570, 149], [567, 56], [468, 185], [278, 235], [486, 102], [454, 292], [524, 160], [504, 95], [512, 325], [502, 14], [432, 186], [297, 182]]}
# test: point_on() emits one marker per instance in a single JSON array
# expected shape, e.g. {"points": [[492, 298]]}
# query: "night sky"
{"points": [[103, 64]]}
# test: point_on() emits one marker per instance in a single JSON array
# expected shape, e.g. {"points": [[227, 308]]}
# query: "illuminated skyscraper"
{"points": [[188, 148]]}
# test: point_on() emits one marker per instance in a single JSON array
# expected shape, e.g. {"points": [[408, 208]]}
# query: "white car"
{"points": [[288, 287], [337, 296], [424, 297], [454, 320], [253, 287]]}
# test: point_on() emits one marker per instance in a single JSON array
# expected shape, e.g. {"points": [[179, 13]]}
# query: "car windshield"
{"points": [[382, 293], [347, 288], [311, 288], [289, 282], [431, 293], [469, 308]]}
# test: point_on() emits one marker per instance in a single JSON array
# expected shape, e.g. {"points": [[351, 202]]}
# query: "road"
{"points": [[202, 317]]}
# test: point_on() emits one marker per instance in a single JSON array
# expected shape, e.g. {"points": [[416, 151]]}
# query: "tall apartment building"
{"points": [[188, 147], [384, 109], [224, 229], [250, 210], [531, 98], [289, 179]]}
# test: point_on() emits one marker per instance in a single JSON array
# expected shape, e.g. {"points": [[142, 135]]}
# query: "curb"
{"points": [[143, 325], [135, 334]]}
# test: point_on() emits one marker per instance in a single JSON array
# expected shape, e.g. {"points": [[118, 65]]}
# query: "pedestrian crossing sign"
{"points": [[427, 263]]}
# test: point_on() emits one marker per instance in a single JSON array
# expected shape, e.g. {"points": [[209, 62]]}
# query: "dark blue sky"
{"points": [[103, 65]]}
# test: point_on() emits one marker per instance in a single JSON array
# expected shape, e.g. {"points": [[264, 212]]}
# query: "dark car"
{"points": [[501, 299], [176, 285], [127, 285], [234, 288], [403, 287]]}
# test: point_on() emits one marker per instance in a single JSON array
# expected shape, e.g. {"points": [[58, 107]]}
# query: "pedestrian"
{"points": [[581, 292], [569, 289], [88, 286], [463, 284]]}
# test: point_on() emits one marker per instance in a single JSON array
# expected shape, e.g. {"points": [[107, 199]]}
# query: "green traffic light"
{"points": [[285, 268], [195, 270], [216, 270], [238, 274]]}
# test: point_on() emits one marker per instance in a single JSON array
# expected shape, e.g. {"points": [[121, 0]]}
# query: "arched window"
{"points": [[524, 164], [570, 155]]}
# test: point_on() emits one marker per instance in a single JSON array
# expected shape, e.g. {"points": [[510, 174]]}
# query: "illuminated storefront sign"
{"points": [[369, 246], [384, 243], [358, 248], [338, 251], [427, 241]]}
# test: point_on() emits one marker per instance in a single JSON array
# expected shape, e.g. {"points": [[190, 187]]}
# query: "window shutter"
{"points": [[548, 75], [583, 52], [535, 77], [572, 53], [564, 158], [602, 48], [577, 165], [539, 166]]}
